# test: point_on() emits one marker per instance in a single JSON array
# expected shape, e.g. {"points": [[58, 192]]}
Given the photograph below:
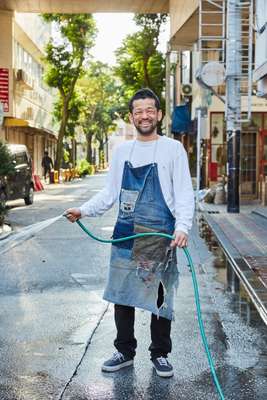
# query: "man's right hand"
{"points": [[73, 214]]}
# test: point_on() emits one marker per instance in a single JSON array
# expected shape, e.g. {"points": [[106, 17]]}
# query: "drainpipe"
{"points": [[233, 102], [167, 93]]}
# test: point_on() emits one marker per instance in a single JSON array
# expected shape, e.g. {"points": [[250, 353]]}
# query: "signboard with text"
{"points": [[4, 88]]}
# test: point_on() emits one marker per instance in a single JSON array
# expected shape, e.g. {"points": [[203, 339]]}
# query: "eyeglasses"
{"points": [[149, 111]]}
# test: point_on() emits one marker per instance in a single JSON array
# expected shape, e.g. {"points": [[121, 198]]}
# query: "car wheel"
{"points": [[2, 200], [29, 198]]}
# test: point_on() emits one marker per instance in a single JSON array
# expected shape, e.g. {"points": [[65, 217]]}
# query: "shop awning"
{"points": [[9, 121], [181, 120]]}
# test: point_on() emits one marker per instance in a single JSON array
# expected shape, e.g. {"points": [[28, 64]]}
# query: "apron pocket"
{"points": [[150, 253], [122, 230]]}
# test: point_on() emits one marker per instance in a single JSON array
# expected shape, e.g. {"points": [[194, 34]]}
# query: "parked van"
{"points": [[20, 184]]}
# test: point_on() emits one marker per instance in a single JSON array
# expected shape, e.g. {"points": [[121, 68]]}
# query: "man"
{"points": [[150, 176], [47, 164]]}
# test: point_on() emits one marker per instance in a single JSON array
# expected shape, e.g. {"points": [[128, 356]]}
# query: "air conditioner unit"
{"points": [[262, 87], [24, 79], [187, 89]]}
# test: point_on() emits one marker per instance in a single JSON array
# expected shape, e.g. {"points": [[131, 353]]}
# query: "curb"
{"points": [[5, 231]]}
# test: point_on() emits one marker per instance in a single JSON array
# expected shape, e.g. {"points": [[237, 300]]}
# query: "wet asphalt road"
{"points": [[55, 330]]}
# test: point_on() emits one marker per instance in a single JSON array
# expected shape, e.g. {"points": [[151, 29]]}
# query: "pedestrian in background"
{"points": [[151, 179], [47, 165]]}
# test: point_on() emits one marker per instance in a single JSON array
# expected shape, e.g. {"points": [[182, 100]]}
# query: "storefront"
{"points": [[253, 152]]}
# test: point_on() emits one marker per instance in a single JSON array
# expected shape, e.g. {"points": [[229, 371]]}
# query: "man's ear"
{"points": [[159, 115], [131, 118]]}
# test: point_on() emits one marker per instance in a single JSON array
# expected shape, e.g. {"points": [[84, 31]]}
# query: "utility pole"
{"points": [[233, 101]]}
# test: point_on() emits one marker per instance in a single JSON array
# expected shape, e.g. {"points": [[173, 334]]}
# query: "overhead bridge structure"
{"points": [[86, 6]]}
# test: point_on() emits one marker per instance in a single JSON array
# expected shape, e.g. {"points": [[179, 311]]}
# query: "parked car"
{"points": [[19, 184]]}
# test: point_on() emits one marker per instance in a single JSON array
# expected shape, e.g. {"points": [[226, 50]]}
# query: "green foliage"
{"points": [[66, 55], [66, 156], [99, 92], [139, 63], [6, 163], [6, 168], [84, 168], [74, 109]]}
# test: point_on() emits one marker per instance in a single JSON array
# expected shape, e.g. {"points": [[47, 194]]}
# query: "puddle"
{"points": [[240, 301]]}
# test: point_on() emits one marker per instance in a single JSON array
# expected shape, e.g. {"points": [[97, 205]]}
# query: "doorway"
{"points": [[248, 163]]}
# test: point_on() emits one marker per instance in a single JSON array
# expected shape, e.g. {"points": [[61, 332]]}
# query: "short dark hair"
{"points": [[144, 93]]}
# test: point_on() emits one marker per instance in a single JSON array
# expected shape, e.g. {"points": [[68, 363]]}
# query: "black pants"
{"points": [[160, 330]]}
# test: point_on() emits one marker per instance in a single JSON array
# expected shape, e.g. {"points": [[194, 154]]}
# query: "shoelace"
{"points": [[118, 356], [163, 361]]}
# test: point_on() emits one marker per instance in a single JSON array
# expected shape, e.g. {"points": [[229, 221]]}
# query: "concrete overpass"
{"points": [[86, 6]]}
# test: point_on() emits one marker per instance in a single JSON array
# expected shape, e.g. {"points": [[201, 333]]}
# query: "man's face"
{"points": [[145, 116]]}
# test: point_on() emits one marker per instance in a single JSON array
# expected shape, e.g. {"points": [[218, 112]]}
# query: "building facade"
{"points": [[184, 43], [27, 102]]}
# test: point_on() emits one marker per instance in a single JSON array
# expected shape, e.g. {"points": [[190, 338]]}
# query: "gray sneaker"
{"points": [[163, 367], [116, 362]]}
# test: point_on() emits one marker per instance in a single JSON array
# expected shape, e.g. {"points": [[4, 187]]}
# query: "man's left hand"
{"points": [[181, 239]]}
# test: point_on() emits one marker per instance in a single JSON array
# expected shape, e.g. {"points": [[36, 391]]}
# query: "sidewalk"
{"points": [[243, 238]]}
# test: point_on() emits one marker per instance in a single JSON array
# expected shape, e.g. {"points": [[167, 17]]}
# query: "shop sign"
{"points": [[4, 88]]}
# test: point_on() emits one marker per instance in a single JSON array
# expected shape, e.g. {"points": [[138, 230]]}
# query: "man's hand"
{"points": [[181, 239], [73, 214]]}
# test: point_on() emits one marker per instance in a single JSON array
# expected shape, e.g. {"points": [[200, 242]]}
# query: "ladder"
{"points": [[213, 17], [246, 54], [211, 43]]}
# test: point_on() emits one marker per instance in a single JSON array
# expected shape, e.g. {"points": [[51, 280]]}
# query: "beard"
{"points": [[146, 131]]}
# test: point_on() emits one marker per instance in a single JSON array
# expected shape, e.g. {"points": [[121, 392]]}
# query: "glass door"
{"points": [[248, 163], [263, 153]]}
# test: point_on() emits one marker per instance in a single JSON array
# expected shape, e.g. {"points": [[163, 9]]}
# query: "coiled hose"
{"points": [[195, 285]]}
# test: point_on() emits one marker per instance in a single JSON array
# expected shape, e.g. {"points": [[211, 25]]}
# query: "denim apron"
{"points": [[138, 267]]}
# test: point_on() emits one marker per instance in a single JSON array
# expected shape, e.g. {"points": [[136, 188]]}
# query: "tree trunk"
{"points": [[146, 74], [65, 115], [89, 151], [101, 153], [61, 134]]}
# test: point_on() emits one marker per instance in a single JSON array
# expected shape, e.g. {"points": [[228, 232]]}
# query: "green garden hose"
{"points": [[195, 285]]}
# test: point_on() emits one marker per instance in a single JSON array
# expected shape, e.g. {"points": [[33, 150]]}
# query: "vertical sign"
{"points": [[4, 86]]}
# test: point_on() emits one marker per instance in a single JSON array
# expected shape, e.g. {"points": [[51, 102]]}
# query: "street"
{"points": [[56, 330]]}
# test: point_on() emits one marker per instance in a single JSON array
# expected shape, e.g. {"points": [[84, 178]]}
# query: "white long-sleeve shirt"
{"points": [[174, 178]]}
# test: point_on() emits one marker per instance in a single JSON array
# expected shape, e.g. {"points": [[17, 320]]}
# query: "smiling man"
{"points": [[150, 178]]}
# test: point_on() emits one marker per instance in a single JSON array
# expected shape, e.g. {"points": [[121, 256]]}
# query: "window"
{"points": [[218, 143], [21, 158]]}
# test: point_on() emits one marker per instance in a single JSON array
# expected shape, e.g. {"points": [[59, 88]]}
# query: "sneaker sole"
{"points": [[162, 374], [114, 368]]}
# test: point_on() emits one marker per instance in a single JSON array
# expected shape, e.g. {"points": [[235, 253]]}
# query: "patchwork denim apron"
{"points": [[137, 267]]}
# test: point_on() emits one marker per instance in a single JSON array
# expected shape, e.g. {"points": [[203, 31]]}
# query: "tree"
{"points": [[75, 107], [6, 162], [65, 57], [139, 63], [99, 93]]}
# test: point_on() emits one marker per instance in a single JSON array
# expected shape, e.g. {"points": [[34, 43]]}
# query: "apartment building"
{"points": [[184, 43], [27, 102], [260, 72]]}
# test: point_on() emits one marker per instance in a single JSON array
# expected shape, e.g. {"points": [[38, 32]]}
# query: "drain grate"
{"points": [[259, 265]]}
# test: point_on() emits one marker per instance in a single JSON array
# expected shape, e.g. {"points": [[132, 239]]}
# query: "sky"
{"points": [[112, 29]]}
